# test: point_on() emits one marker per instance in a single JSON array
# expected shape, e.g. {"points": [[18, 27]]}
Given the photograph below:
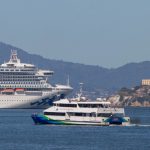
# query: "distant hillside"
{"points": [[93, 77], [136, 96]]}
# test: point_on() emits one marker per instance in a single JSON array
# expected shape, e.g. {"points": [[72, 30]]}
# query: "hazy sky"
{"points": [[108, 33]]}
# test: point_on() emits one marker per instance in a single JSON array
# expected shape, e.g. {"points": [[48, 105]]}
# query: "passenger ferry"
{"points": [[81, 111], [25, 86]]}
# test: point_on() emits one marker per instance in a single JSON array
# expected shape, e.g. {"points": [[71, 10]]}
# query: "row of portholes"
{"points": [[21, 86], [21, 83], [17, 70], [19, 77], [13, 74], [16, 78], [13, 100]]}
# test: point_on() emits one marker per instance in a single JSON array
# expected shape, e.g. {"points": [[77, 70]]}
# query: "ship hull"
{"points": [[29, 101], [42, 119]]}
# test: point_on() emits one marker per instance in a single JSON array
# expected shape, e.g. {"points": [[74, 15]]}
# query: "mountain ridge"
{"points": [[94, 77]]}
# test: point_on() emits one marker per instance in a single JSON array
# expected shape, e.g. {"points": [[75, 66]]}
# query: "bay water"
{"points": [[18, 132]]}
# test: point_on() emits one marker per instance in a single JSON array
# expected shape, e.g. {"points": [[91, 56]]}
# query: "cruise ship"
{"points": [[23, 85]]}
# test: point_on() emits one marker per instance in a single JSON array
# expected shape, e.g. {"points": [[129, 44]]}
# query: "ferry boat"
{"points": [[25, 86], [81, 111]]}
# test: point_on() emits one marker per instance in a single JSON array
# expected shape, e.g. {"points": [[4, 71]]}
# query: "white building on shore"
{"points": [[146, 82]]}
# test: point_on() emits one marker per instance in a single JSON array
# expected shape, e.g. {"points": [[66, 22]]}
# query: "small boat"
{"points": [[8, 91], [19, 89], [82, 111]]}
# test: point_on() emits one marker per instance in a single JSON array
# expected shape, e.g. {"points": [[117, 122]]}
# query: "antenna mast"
{"points": [[68, 81], [81, 89]]}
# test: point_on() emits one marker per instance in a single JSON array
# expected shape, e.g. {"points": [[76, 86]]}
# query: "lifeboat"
{"points": [[19, 89], [8, 91]]}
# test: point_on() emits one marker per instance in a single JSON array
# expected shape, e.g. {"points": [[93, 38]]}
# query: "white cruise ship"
{"points": [[24, 86]]}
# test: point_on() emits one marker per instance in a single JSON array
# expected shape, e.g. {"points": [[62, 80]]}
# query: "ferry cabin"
{"points": [[82, 111]]}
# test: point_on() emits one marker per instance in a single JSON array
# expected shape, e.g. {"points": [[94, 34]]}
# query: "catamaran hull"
{"points": [[42, 119]]}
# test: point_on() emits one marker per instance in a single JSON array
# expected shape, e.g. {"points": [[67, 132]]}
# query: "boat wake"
{"points": [[138, 125]]}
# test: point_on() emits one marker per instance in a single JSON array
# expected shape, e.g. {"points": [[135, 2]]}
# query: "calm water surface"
{"points": [[18, 132]]}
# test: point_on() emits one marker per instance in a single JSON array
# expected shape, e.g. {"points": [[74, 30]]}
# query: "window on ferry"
{"points": [[83, 105], [91, 105], [67, 105], [54, 113], [104, 114], [78, 114], [96, 105]]}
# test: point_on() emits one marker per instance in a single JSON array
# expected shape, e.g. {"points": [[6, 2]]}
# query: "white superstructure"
{"points": [[24, 86]]}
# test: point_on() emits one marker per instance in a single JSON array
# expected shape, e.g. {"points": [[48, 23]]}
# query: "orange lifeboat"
{"points": [[19, 89]]}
